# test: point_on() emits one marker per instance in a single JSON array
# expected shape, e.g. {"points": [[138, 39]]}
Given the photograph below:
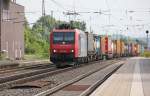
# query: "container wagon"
{"points": [[130, 53], [98, 47], [122, 48], [137, 49], [126, 50], [114, 48], [106, 47], [133, 49], [91, 48], [118, 43], [142, 49]]}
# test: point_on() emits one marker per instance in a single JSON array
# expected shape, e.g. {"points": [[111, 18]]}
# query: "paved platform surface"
{"points": [[132, 79]]}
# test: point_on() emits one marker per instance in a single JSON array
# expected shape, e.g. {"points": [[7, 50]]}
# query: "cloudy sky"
{"points": [[128, 17]]}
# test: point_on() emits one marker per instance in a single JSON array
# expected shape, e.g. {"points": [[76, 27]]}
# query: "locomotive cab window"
{"points": [[63, 37], [69, 37], [57, 37]]}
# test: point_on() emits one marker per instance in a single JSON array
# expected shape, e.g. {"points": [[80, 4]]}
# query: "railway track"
{"points": [[64, 85], [9, 80], [17, 68], [22, 79], [9, 70]]}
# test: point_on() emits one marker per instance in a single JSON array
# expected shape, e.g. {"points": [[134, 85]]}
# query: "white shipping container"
{"points": [[91, 44]]}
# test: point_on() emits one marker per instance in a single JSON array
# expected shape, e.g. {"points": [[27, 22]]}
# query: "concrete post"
{"points": [[1, 1]]}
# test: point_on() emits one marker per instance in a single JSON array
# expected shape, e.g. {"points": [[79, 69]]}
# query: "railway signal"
{"points": [[147, 38]]}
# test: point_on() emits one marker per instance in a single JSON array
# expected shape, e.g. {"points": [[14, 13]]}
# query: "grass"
{"points": [[146, 54], [36, 56]]}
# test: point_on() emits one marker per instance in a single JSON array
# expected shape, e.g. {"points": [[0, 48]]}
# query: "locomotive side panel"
{"points": [[82, 44]]}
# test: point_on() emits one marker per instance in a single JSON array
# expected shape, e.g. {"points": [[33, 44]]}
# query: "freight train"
{"points": [[73, 46]]}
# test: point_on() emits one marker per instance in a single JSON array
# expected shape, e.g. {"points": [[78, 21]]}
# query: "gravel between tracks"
{"points": [[53, 80]]}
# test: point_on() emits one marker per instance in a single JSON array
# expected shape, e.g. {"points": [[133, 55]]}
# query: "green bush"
{"points": [[36, 56]]}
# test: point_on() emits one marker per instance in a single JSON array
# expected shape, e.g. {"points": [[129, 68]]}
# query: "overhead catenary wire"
{"points": [[109, 15], [100, 12], [59, 5]]}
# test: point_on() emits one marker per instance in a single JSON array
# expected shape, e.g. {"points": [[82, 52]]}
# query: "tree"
{"points": [[37, 37], [28, 38], [43, 27], [78, 25]]}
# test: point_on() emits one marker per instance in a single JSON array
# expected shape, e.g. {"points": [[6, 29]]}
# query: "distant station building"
{"points": [[11, 29]]}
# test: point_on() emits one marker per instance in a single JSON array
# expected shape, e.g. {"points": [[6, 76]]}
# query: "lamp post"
{"points": [[147, 38]]}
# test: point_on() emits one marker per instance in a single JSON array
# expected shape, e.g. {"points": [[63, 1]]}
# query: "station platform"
{"points": [[9, 63], [132, 79]]}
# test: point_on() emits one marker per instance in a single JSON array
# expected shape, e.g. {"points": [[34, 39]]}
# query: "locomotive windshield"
{"points": [[63, 37]]}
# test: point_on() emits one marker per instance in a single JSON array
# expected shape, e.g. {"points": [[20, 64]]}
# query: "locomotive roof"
{"points": [[65, 29]]}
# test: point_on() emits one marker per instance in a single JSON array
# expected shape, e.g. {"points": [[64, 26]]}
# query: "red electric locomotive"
{"points": [[68, 45]]}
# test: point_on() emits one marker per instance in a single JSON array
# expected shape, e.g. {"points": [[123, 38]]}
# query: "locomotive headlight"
{"points": [[72, 51], [54, 50]]}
